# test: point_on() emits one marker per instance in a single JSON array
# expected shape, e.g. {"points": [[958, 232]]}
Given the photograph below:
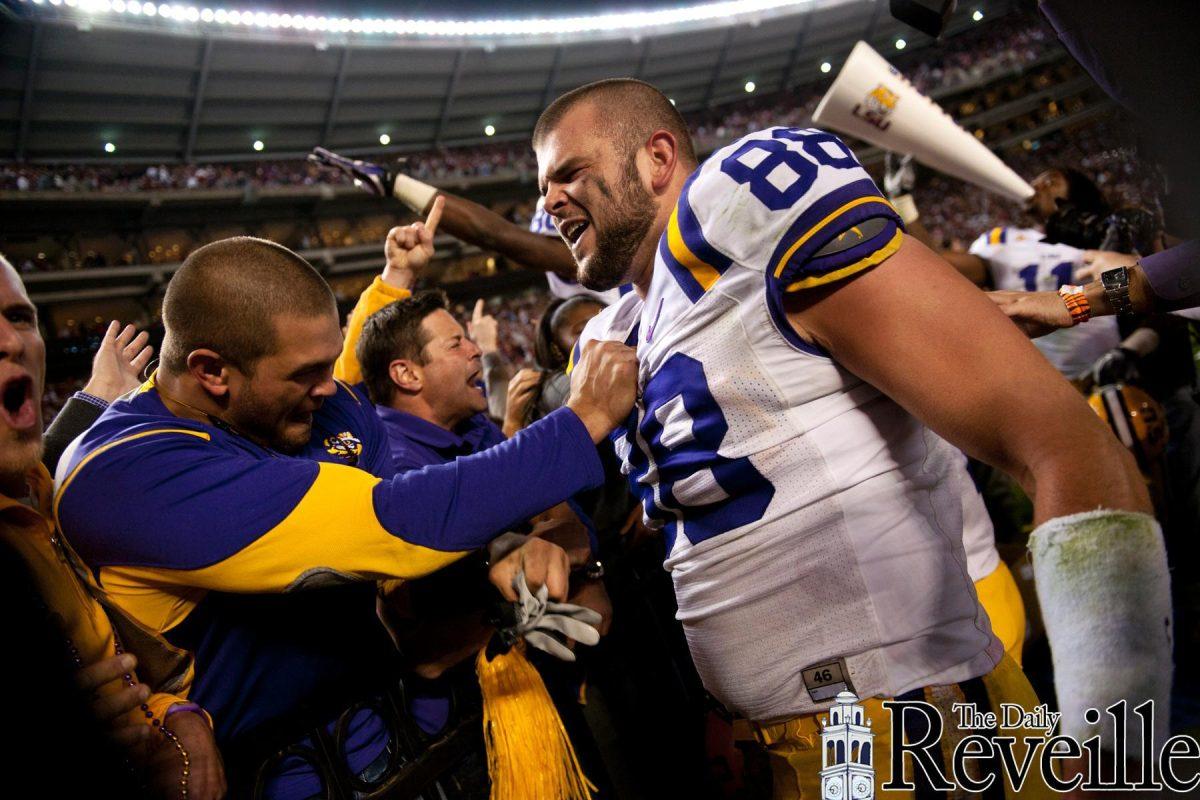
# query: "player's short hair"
{"points": [[393, 332], [633, 110], [226, 296]]}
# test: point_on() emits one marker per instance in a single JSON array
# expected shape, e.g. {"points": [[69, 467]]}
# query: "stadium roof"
{"points": [[179, 82]]}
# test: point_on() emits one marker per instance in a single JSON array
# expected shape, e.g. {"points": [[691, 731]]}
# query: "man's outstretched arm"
{"points": [[464, 219]]}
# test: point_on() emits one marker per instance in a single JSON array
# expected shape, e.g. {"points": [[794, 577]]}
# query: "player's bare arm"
{"points": [[479, 225], [464, 219], [946, 353], [972, 267]]}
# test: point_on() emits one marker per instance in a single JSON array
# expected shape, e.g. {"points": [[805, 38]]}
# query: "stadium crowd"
{"points": [[1004, 46], [427, 536]]}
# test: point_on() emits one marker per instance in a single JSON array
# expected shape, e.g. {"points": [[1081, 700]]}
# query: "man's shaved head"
{"points": [[227, 295], [632, 111]]}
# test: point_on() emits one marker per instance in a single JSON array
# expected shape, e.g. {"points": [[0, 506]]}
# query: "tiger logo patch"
{"points": [[345, 446]]}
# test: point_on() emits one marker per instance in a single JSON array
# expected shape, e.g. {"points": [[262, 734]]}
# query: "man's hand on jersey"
{"points": [[1036, 313], [483, 329], [117, 367], [409, 249], [1098, 261], [542, 563], [522, 390], [604, 386], [900, 174], [374, 178]]}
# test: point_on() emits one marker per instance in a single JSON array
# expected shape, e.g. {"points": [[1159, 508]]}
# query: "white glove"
{"points": [[900, 175], [545, 624]]}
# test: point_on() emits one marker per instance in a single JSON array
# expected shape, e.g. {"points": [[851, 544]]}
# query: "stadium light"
{"points": [[258, 145], [901, 44], [749, 87], [483, 28], [109, 147], [489, 130], [384, 139], [977, 16], [826, 66]]}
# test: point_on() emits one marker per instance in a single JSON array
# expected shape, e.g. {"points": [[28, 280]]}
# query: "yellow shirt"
{"points": [[71, 597]]}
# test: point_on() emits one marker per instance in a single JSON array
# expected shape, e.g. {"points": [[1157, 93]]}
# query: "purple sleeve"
{"points": [[1174, 274], [462, 505]]}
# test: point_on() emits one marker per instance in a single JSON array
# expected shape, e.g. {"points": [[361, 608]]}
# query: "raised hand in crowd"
{"points": [[483, 329], [522, 393], [1035, 313], [118, 364], [1039, 313], [409, 249]]}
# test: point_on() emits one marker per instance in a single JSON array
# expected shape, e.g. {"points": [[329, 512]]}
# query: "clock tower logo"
{"points": [[847, 768]]}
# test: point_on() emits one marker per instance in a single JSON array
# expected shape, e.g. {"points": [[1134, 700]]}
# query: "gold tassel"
{"points": [[530, 756]]}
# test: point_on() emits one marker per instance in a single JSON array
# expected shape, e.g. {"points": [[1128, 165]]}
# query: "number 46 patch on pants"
{"points": [[825, 681]]}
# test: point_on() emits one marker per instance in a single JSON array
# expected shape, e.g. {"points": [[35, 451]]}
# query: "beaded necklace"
{"points": [[166, 732]]}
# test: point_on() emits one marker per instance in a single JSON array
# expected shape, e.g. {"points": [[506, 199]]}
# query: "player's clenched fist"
{"points": [[604, 386]]}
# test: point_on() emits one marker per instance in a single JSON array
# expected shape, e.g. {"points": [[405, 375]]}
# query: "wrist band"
{"points": [[413, 193], [180, 707], [1077, 303], [906, 207], [91, 399]]}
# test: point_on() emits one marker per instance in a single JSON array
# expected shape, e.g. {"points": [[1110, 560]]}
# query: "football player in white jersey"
{"points": [[1024, 259], [794, 345]]}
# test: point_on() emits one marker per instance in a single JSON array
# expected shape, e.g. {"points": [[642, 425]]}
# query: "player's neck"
{"points": [[642, 264], [185, 397]]}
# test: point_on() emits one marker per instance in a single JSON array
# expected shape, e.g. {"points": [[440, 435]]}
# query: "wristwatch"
{"points": [[1116, 290]]}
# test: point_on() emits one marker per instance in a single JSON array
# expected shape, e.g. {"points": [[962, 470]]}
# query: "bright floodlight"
{"points": [[490, 29], [977, 16], [750, 87], [258, 145], [109, 147], [826, 66], [384, 139], [901, 44], [489, 130]]}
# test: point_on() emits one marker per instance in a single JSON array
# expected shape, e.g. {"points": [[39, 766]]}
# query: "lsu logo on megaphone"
{"points": [[877, 107]]}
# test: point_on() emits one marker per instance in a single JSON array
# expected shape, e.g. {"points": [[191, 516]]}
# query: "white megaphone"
{"points": [[872, 101]]}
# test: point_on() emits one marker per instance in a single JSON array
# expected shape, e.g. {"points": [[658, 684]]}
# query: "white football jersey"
{"points": [[814, 528], [543, 225], [1019, 261]]}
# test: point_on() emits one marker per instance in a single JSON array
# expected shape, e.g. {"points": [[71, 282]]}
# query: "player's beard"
{"points": [[627, 220]]}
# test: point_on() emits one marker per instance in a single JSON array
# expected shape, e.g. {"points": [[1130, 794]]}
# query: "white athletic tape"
{"points": [[1105, 593], [413, 193], [906, 207]]}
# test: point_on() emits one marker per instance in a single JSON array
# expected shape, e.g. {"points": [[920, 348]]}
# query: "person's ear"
{"points": [[407, 375], [210, 370], [662, 154]]}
